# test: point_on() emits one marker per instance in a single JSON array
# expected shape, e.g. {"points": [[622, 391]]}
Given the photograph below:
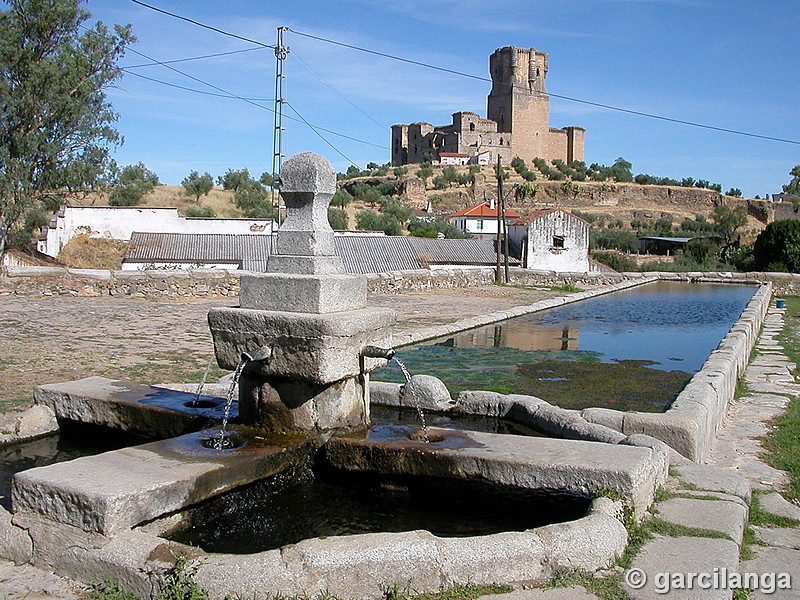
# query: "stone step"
{"points": [[145, 410], [114, 491]]}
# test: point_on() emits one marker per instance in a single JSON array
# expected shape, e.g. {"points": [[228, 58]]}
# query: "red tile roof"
{"points": [[482, 211]]}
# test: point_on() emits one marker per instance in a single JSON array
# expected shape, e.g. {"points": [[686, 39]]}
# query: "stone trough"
{"points": [[304, 342]]}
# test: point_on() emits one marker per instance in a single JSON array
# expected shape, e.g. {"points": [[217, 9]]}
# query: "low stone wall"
{"points": [[37, 282], [157, 284]]}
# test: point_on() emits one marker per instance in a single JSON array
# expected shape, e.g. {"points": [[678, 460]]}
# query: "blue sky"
{"points": [[729, 64]]}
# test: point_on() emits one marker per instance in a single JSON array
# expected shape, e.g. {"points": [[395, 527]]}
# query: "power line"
{"points": [[203, 25], [322, 137], [337, 92], [254, 100], [178, 60], [188, 89], [227, 94], [562, 97]]}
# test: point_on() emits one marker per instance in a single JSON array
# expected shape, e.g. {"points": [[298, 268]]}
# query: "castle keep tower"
{"points": [[518, 101], [518, 123]]}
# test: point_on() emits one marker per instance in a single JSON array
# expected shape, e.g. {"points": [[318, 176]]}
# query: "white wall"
{"points": [[118, 223], [541, 253], [486, 226]]}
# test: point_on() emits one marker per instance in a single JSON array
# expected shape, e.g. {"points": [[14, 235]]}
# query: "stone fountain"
{"points": [[304, 342], [305, 320]]}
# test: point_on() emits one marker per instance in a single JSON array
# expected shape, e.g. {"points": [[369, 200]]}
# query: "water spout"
{"points": [[417, 405], [200, 387], [262, 353], [220, 443], [378, 352]]}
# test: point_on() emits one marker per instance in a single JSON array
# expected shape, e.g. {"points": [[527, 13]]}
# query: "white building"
{"points": [[119, 223], [480, 220], [552, 240]]}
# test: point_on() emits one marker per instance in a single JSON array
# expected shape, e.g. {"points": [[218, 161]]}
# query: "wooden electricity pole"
{"points": [[499, 174]]}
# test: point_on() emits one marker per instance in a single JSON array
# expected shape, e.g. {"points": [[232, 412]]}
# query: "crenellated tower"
{"points": [[519, 101]]}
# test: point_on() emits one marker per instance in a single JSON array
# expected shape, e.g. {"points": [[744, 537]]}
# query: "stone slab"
{"points": [[529, 462], [776, 504], [25, 582], [718, 515], [114, 491], [778, 537], [312, 347], [714, 479], [683, 555], [144, 410], [775, 560], [303, 293]]}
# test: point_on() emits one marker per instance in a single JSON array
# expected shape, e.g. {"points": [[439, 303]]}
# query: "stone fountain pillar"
{"points": [[306, 317]]}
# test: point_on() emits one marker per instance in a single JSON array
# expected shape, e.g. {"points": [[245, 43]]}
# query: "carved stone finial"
{"points": [[305, 240], [308, 172]]}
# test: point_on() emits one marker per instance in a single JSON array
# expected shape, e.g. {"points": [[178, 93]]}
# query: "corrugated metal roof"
{"points": [[470, 251], [192, 247], [376, 254], [360, 253]]}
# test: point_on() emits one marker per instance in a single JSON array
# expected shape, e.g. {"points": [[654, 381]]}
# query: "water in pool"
{"points": [[631, 350]]}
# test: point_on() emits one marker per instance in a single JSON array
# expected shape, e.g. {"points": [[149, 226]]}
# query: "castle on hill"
{"points": [[518, 123]]}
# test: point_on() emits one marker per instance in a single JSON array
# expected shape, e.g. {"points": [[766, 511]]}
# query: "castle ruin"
{"points": [[518, 111]]}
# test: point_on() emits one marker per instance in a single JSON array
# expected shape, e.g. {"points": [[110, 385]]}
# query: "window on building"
{"points": [[472, 126], [558, 241], [478, 224]]}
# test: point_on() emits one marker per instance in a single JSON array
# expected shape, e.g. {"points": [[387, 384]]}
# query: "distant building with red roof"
{"points": [[480, 220]]}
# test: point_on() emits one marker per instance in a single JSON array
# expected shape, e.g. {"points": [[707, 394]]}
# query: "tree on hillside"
{"points": [[130, 185], [621, 170], [425, 172], [254, 200], [233, 179], [777, 248], [793, 187], [728, 220], [197, 185], [56, 130]]}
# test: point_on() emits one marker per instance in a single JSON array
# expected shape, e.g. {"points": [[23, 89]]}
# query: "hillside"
{"points": [[607, 201]]}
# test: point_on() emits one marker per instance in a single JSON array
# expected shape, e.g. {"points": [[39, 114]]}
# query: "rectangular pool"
{"points": [[629, 350]]}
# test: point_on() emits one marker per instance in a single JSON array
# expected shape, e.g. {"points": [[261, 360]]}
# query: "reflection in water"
{"points": [[669, 327]]}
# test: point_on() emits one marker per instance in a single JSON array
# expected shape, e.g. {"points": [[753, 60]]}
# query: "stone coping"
{"points": [[356, 566]]}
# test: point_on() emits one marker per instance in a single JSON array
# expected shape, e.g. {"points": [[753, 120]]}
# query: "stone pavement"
{"points": [[771, 385]]}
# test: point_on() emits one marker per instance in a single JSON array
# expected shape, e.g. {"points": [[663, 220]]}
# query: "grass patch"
{"points": [[758, 516], [606, 588], [783, 443], [459, 592], [662, 527]]}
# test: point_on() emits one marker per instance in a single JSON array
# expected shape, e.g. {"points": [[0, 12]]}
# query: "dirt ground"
{"points": [[49, 340]]}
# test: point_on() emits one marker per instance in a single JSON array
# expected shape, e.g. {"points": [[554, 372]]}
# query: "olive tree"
{"points": [[56, 128], [197, 185]]}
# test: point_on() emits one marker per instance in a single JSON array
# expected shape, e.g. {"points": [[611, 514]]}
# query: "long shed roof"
{"points": [[360, 253]]}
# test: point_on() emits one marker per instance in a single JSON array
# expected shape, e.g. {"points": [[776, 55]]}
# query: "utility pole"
{"points": [[281, 52], [505, 237], [499, 174]]}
